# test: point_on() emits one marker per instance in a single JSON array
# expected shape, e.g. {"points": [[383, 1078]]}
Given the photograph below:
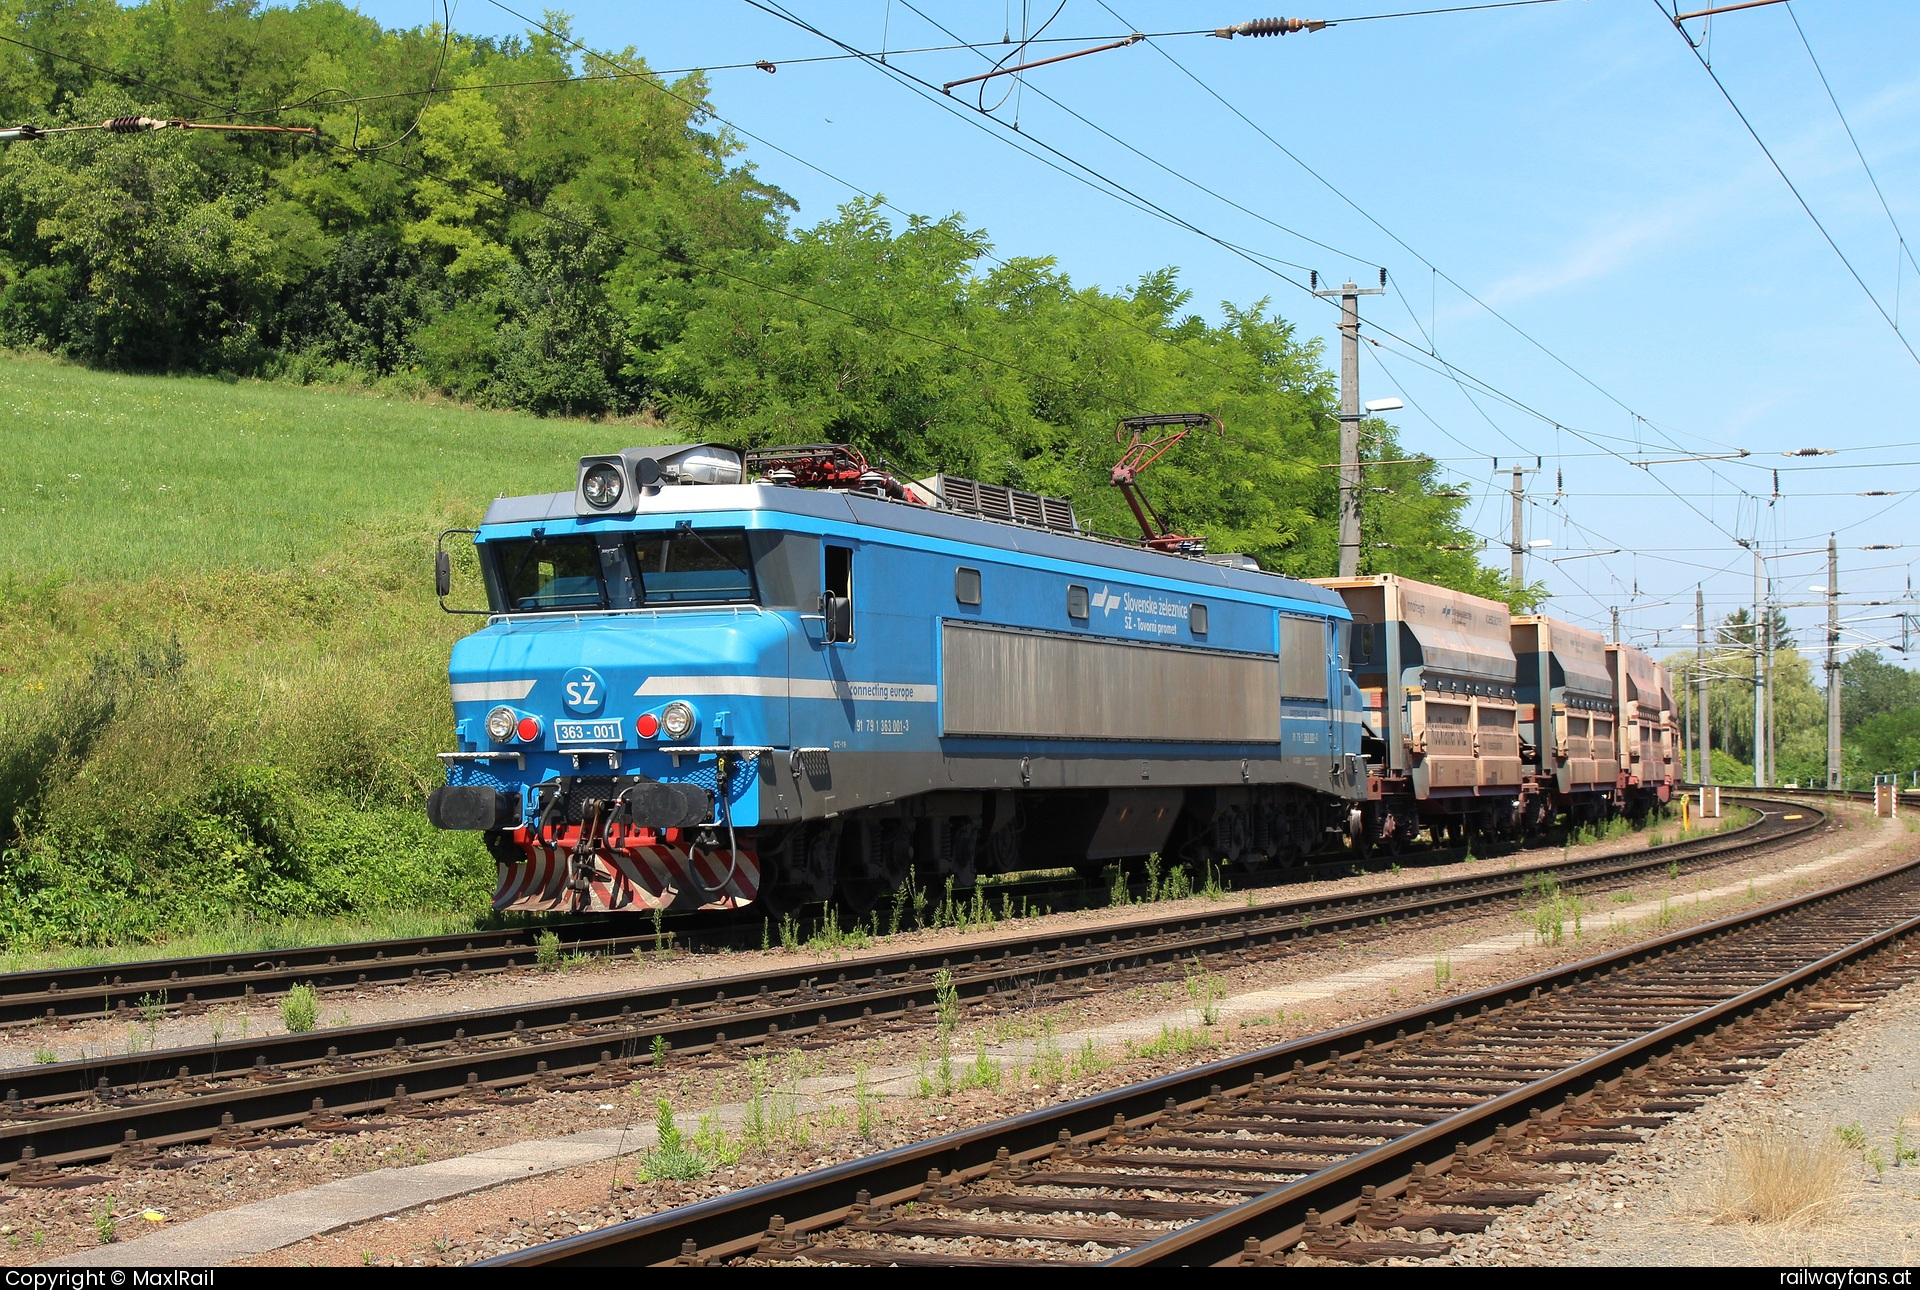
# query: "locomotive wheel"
{"points": [[804, 871], [966, 852], [859, 897]]}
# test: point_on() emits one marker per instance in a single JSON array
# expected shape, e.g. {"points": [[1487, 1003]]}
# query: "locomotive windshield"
{"points": [[547, 574], [581, 573], [688, 566]]}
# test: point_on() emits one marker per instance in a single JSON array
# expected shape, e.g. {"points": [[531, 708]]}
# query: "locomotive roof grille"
{"points": [[997, 502]]}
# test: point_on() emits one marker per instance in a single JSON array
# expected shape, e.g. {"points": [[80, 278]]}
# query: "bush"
{"points": [[300, 1009]]}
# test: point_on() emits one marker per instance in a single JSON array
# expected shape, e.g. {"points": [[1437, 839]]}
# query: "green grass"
{"points": [[114, 477], [246, 936], [222, 667]]}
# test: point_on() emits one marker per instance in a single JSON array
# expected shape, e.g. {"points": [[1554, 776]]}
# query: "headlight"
{"points": [[602, 487], [677, 717], [500, 725]]}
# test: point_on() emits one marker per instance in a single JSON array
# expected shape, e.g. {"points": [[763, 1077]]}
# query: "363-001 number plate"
{"points": [[586, 732]]}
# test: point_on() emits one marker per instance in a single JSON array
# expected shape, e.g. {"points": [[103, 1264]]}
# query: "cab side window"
{"points": [[836, 599]]}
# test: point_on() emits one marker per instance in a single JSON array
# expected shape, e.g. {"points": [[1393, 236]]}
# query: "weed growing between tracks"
{"points": [[773, 1116], [1552, 908], [1206, 990], [672, 1156], [300, 1009], [1777, 1177], [105, 1229]]}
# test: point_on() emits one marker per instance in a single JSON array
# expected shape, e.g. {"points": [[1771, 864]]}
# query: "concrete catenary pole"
{"points": [[1686, 733], [1518, 533], [1351, 488], [1833, 662], [1759, 671], [1700, 679]]}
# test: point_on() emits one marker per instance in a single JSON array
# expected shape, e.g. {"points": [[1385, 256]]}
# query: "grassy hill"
{"points": [[115, 477], [222, 669]]}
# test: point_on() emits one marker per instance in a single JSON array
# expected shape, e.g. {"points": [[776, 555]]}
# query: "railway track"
{"points": [[190, 985], [1372, 1142], [134, 1105]]}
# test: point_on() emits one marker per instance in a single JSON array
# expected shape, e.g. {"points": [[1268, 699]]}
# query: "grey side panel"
{"points": [[1303, 657], [781, 575], [1030, 685], [832, 782]]}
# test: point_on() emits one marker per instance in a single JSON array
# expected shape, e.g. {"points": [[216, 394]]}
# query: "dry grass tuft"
{"points": [[1781, 1179]]}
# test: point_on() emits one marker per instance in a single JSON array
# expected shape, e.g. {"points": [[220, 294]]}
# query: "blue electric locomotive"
{"points": [[709, 679]]}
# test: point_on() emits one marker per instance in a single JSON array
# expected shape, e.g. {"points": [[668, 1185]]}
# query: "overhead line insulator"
{"points": [[1269, 27]]}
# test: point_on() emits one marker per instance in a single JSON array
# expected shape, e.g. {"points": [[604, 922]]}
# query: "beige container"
{"points": [[1441, 665], [1645, 704]]}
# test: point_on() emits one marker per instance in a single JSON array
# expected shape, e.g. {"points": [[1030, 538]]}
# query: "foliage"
{"points": [[1878, 706], [673, 1157], [1871, 687], [601, 248], [400, 241], [300, 1009], [1889, 742], [1036, 372], [198, 736]]}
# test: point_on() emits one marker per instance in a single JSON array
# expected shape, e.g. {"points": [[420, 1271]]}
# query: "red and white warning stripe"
{"points": [[628, 875]]}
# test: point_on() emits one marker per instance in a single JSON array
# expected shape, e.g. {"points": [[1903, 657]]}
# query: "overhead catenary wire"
{"points": [[1104, 184], [1431, 349], [1905, 249], [1027, 135], [1368, 216], [146, 125], [1793, 188]]}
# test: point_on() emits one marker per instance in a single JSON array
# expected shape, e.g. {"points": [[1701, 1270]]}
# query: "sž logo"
{"points": [[584, 691]]}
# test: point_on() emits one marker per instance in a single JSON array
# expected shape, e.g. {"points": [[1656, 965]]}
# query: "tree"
{"points": [[1888, 742], [1871, 687], [598, 246], [898, 342]]}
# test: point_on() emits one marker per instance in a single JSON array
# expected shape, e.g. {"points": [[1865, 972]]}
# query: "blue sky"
{"points": [[1570, 164]]}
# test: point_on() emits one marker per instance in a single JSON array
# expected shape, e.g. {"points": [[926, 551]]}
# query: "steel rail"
{"points": [[1223, 1240], [189, 984], [81, 1111], [739, 1222]]}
